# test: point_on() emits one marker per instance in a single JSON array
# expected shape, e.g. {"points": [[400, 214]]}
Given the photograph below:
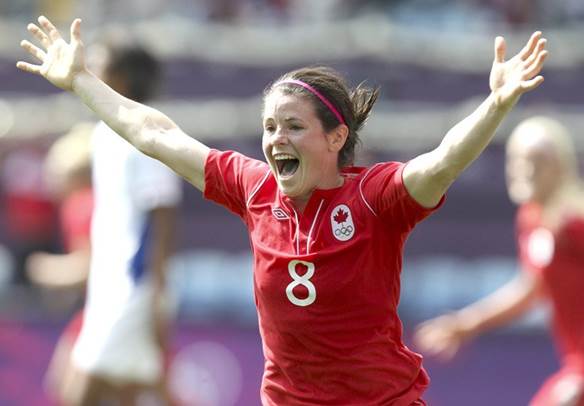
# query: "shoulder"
{"points": [[234, 159], [377, 184], [386, 170], [234, 179], [566, 210], [381, 178]]}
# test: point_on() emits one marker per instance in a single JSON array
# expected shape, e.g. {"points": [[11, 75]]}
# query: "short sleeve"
{"points": [[382, 187], [154, 185], [231, 179]]}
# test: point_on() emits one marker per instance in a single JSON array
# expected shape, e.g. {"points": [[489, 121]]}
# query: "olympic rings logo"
{"points": [[342, 224], [344, 230]]}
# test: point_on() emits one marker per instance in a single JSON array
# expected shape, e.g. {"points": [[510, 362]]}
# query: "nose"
{"points": [[280, 137]]}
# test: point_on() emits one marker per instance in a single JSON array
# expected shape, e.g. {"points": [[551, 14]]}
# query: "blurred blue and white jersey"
{"points": [[118, 314]]}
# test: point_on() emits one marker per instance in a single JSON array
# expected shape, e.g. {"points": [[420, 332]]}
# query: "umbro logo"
{"points": [[279, 213]]}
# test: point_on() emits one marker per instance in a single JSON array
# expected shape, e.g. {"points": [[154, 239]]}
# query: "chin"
{"points": [[520, 193], [520, 199], [290, 186], [288, 191]]}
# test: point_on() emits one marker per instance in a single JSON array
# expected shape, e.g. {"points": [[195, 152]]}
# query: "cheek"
{"points": [[547, 181], [311, 144], [265, 144]]}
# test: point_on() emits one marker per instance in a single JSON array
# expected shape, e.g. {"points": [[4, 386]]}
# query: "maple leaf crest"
{"points": [[341, 216]]}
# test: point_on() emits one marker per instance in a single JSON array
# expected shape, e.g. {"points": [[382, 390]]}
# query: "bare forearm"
{"points": [[500, 308], [147, 129], [60, 270], [467, 139], [135, 122], [428, 176]]}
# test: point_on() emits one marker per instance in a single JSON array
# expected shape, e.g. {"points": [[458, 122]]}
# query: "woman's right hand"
{"points": [[60, 61], [441, 337]]}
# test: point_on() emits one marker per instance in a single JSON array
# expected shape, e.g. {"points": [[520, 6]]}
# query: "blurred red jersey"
{"points": [[327, 282], [76, 213], [558, 257]]}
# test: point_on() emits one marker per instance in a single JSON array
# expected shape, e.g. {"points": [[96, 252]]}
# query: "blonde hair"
{"points": [[69, 155], [555, 134]]}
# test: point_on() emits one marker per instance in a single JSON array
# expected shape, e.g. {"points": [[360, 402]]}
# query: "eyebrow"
{"points": [[287, 119]]}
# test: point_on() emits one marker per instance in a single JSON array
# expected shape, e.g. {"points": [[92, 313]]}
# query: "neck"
{"points": [[333, 182], [300, 202], [564, 202], [563, 187]]}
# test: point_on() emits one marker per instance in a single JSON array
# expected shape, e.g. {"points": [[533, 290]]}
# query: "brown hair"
{"points": [[353, 104], [137, 67]]}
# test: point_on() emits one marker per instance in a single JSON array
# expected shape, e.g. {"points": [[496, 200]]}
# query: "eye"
{"points": [[269, 128], [296, 127]]}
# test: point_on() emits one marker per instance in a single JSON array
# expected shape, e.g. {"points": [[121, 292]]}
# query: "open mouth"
{"points": [[286, 165]]}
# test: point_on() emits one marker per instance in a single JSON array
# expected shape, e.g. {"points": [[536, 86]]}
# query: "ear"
{"points": [[337, 137]]}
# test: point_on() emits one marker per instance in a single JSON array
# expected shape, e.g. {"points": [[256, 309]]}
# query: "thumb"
{"points": [[76, 30], [500, 48]]}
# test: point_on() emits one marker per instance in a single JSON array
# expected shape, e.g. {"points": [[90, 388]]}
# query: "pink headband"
{"points": [[317, 94]]}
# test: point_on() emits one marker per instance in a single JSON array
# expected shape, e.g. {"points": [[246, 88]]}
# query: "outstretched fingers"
{"points": [[50, 29], [536, 52], [29, 67], [535, 67], [33, 50], [529, 85], [530, 46], [39, 34]]}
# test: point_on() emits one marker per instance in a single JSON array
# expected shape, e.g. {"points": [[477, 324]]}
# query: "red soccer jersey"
{"points": [[557, 257], [327, 282]]}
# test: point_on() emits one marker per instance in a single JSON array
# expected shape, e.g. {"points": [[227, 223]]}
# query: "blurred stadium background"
{"points": [[431, 59]]}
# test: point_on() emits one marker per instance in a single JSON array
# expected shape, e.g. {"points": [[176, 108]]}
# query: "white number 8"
{"points": [[303, 280]]}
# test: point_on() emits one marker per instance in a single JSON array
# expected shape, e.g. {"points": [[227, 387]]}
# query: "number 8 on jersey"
{"points": [[303, 280]]}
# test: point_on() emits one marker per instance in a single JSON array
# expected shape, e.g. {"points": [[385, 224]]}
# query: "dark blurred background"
{"points": [[431, 59]]}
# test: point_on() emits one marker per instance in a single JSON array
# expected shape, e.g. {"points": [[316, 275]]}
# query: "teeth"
{"points": [[283, 156]]}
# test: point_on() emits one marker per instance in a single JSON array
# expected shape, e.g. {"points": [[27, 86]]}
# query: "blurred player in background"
{"points": [[327, 237], [68, 176], [63, 276], [119, 355], [542, 178]]}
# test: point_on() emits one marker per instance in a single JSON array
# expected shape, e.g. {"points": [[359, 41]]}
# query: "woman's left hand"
{"points": [[520, 74]]}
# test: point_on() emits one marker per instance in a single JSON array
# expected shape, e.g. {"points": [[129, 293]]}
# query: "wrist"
{"points": [[501, 103], [79, 80]]}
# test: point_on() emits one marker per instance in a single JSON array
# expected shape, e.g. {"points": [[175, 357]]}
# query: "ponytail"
{"points": [[354, 106]]}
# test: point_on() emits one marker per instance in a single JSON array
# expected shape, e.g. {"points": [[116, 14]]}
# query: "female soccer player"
{"points": [[327, 237], [542, 174], [68, 175]]}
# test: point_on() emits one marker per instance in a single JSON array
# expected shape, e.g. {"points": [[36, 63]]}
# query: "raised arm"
{"points": [[444, 335], [428, 176], [149, 130]]}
